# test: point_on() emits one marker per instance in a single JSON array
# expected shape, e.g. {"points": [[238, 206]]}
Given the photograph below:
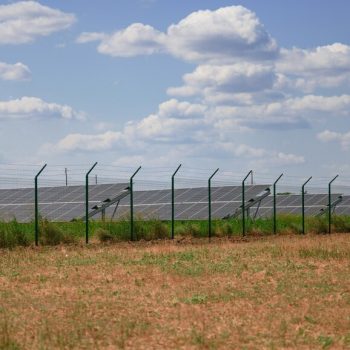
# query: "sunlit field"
{"points": [[288, 291]]}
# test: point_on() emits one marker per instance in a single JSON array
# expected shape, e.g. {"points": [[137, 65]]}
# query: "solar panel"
{"points": [[343, 208], [190, 203], [291, 204]]}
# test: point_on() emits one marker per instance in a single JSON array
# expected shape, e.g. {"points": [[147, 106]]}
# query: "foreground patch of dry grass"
{"points": [[280, 292]]}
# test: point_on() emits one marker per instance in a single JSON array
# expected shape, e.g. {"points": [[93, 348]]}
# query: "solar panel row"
{"points": [[66, 203]]}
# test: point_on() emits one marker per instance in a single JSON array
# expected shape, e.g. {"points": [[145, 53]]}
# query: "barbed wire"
{"points": [[22, 175]]}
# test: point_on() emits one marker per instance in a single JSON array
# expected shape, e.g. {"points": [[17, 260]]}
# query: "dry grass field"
{"points": [[269, 293]]}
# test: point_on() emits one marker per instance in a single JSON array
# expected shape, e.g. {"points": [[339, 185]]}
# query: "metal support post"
{"points": [[37, 205], [132, 204], [243, 203], [274, 205], [209, 203], [173, 202], [303, 204], [87, 203], [329, 205]]}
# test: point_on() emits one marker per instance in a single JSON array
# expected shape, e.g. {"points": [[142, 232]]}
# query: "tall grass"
{"points": [[14, 233]]}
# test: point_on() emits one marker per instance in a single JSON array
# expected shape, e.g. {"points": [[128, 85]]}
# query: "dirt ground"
{"points": [[272, 293]]}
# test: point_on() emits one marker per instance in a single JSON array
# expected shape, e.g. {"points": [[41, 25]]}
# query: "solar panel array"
{"points": [[65, 203], [62, 203]]}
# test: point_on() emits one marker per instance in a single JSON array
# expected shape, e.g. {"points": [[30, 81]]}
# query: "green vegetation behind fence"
{"points": [[14, 233]]}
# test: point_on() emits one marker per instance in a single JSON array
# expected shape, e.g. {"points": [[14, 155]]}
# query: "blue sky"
{"points": [[235, 85]]}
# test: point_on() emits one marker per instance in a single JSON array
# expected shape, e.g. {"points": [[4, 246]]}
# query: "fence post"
{"points": [[173, 202], [274, 205], [132, 204], [243, 202], [209, 203], [87, 203], [303, 204], [66, 175], [37, 205], [329, 205]]}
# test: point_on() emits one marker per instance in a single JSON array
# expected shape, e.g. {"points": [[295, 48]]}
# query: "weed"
{"points": [[195, 299], [325, 341], [105, 235]]}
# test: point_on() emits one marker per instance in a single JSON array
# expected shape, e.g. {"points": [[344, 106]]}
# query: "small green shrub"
{"points": [[180, 230], [105, 235], [224, 229], [151, 230], [51, 234], [194, 230], [320, 225], [160, 230], [341, 224]]}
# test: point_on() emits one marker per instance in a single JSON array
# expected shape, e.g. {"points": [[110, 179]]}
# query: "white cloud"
{"points": [[328, 136], [297, 112], [174, 121], [334, 58], [29, 107], [311, 69], [83, 142], [227, 34], [242, 150], [181, 110], [268, 156], [235, 78], [137, 39], [329, 104], [87, 37], [287, 158], [17, 71], [24, 21]]}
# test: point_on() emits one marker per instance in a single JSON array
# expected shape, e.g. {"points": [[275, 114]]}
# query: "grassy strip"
{"points": [[52, 233]]}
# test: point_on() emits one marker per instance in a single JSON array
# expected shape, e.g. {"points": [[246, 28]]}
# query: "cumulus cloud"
{"points": [[17, 71], [137, 39], [298, 112], [227, 34], [86, 142], [231, 33], [311, 69], [29, 107], [210, 80], [24, 21], [269, 156], [174, 121], [342, 138], [322, 59]]}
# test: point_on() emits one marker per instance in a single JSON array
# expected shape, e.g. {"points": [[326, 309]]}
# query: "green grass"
{"points": [[14, 233]]}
